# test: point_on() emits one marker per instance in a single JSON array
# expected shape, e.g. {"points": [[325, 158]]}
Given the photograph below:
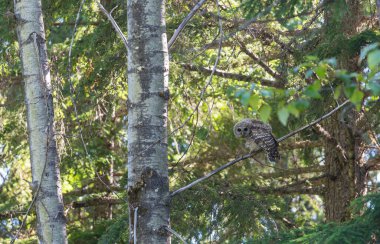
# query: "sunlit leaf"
{"points": [[254, 101], [357, 98], [337, 92], [374, 87], [321, 71], [293, 110], [264, 112], [366, 50], [245, 97], [373, 59], [313, 90], [283, 115], [311, 58]]}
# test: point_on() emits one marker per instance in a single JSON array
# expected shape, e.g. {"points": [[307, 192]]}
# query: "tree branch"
{"points": [[256, 151], [286, 190], [293, 171], [301, 144], [260, 62], [12, 214], [373, 164], [184, 23], [322, 131], [114, 24], [96, 202], [92, 190], [233, 76]]}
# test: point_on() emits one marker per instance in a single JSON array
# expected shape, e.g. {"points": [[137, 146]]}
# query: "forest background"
{"points": [[287, 63]]}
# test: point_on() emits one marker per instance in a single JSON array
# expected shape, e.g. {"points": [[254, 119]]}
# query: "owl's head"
{"points": [[243, 128]]}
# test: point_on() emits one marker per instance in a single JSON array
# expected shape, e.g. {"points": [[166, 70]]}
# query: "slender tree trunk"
{"points": [[343, 154], [378, 11], [148, 65], [51, 226]]}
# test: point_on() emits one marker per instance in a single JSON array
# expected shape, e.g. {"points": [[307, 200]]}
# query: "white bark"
{"points": [[148, 65], [51, 227]]}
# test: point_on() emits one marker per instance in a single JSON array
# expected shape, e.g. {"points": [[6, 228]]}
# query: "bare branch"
{"points": [[114, 24], [301, 144], [256, 151], [96, 202], [12, 214], [167, 228], [294, 171], [233, 76], [253, 56], [286, 190], [373, 163], [322, 131], [92, 190], [184, 23]]}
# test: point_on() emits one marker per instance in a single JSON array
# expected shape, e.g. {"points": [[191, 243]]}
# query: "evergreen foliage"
{"points": [[246, 203]]}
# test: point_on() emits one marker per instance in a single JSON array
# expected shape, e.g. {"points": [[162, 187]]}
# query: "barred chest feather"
{"points": [[250, 144]]}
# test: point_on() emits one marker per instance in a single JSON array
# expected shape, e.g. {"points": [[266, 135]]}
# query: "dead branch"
{"points": [[184, 23], [114, 24], [253, 56], [293, 172], [224, 74], [96, 202], [301, 144], [322, 131]]}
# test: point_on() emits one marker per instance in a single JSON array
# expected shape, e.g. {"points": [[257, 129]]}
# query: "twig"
{"points": [[184, 23], [114, 24], [175, 233], [256, 151]]}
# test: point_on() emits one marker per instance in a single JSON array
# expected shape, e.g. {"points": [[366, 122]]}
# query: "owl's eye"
{"points": [[245, 129], [239, 129]]}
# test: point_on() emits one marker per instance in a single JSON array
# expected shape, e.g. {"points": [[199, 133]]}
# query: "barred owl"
{"points": [[260, 134]]}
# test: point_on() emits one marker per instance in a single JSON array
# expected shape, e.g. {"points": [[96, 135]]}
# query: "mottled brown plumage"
{"points": [[260, 134]]}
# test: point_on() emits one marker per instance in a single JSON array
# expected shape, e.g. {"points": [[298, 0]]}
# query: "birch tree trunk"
{"points": [[51, 226], [148, 65]]}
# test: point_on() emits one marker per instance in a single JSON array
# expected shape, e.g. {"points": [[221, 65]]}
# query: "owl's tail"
{"points": [[273, 155]]}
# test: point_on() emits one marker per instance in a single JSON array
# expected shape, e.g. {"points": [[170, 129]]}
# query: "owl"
{"points": [[259, 133]]}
